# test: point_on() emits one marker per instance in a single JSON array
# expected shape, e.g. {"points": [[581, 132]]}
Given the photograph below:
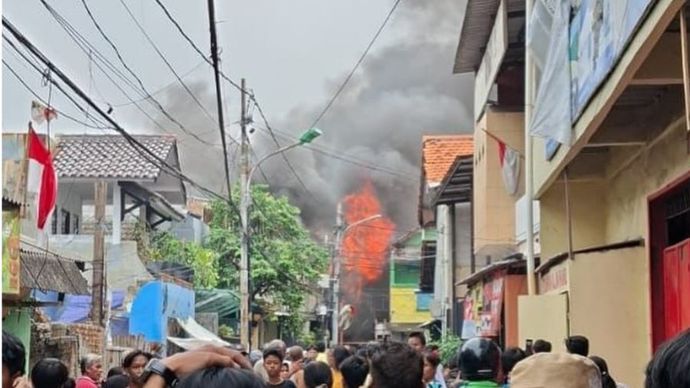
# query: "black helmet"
{"points": [[479, 359]]}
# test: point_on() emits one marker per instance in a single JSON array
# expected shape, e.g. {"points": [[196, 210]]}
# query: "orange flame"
{"points": [[365, 246]]}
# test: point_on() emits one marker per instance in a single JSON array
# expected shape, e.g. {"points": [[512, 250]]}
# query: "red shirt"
{"points": [[86, 382]]}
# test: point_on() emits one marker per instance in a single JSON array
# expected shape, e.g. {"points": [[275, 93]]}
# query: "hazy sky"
{"points": [[293, 54]]}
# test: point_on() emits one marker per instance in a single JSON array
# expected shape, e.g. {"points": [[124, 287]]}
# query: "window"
{"points": [[53, 223], [426, 279], [64, 217], [75, 225]]}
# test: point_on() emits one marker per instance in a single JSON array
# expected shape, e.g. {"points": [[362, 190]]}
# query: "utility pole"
{"points": [[244, 220], [335, 317], [97, 290]]}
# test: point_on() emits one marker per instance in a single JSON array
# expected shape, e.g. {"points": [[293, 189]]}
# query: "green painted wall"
{"points": [[18, 323]]}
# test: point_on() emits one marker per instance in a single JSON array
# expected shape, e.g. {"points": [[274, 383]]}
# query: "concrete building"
{"points": [[614, 201]]}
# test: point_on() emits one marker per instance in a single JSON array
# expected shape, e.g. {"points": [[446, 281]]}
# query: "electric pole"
{"points": [[244, 220], [335, 317], [97, 289]]}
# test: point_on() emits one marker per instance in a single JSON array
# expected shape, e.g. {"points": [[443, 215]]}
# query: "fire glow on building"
{"points": [[365, 254]]}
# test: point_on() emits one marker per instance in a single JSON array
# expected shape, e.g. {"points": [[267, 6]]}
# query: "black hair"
{"points": [[541, 346], [510, 358], [317, 374], [217, 377], [395, 364], [312, 347], [362, 352], [117, 381], [340, 353], [355, 370], [320, 347], [670, 366], [129, 358], [13, 354], [418, 334], [606, 380], [432, 358], [577, 344], [49, 373], [274, 352], [115, 371]]}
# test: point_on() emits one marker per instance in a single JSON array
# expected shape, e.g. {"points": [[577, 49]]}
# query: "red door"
{"points": [[676, 288]]}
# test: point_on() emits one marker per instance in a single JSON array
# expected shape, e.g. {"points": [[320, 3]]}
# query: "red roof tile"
{"points": [[439, 153]]}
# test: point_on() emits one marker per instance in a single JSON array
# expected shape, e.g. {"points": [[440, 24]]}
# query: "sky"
{"points": [[294, 54]]}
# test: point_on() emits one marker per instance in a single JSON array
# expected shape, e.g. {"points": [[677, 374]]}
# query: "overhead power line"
{"points": [[359, 62]]}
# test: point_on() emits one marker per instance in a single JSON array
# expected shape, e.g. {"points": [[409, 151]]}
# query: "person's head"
{"points": [[670, 366], [320, 347], [396, 364], [295, 353], [510, 358], [135, 361], [577, 344], [221, 378], [285, 371], [417, 341], [117, 381], [355, 370], [562, 370], [13, 358], [606, 380], [115, 371], [312, 352], [255, 356], [318, 375], [279, 344], [340, 353], [479, 359], [431, 362], [49, 373], [92, 366], [541, 346], [273, 360]]}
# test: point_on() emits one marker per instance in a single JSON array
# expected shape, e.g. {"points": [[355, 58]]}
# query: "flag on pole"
{"points": [[41, 113], [42, 178], [510, 167]]}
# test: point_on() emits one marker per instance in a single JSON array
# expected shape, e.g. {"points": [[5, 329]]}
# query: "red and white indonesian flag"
{"points": [[42, 178], [41, 113], [510, 167]]}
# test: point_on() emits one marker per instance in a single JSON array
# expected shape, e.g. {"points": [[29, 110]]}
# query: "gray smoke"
{"points": [[403, 90]]}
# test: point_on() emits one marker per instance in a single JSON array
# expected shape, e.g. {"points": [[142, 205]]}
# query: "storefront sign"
{"points": [[599, 32], [556, 279], [492, 305], [472, 308], [491, 62], [10, 252]]}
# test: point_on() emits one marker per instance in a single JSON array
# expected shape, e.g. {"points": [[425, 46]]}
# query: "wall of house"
{"points": [[587, 208], [515, 285], [443, 258], [463, 245], [613, 310], [403, 307], [68, 200], [654, 168], [494, 230], [18, 323]]}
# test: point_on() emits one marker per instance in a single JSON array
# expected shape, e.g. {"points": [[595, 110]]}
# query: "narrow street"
{"points": [[346, 194]]}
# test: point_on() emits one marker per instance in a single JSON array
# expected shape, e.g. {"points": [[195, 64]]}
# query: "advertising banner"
{"points": [[599, 32], [10, 252], [491, 309]]}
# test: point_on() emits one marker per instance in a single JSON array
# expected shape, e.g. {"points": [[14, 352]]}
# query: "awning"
{"points": [[512, 260], [456, 186], [428, 323], [198, 335], [158, 204], [49, 272]]}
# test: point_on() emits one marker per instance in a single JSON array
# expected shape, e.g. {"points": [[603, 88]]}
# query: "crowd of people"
{"points": [[479, 363]]}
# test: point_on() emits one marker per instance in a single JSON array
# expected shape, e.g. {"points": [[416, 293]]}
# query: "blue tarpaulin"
{"points": [[74, 308]]}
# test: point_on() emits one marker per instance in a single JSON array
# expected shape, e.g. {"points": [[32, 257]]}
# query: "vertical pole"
{"points": [[98, 254], [117, 213], [568, 213], [685, 55], [529, 186], [244, 215], [453, 263], [336, 276]]}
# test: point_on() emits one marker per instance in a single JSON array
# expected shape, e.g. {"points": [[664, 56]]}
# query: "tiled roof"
{"points": [[439, 153], [109, 156]]}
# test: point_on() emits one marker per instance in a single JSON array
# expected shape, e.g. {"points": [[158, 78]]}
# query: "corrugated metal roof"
{"points": [[46, 271], [109, 157]]}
